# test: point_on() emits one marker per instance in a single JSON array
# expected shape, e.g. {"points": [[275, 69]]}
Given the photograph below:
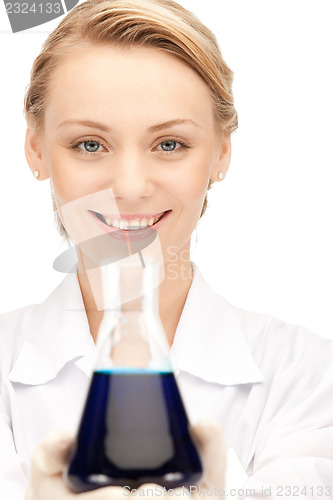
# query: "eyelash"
{"points": [[90, 153]]}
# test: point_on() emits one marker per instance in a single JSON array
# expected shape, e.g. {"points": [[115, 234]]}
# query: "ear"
{"points": [[223, 159], [33, 154]]}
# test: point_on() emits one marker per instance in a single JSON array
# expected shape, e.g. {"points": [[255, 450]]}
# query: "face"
{"points": [[129, 135]]}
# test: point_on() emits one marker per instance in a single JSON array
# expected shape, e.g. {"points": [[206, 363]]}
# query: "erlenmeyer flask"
{"points": [[134, 428]]}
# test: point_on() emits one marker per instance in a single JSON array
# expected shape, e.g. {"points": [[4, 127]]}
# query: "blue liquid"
{"points": [[134, 430]]}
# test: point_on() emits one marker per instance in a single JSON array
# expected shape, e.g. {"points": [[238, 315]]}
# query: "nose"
{"points": [[132, 178]]}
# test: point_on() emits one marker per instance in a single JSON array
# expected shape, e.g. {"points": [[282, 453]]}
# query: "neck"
{"points": [[172, 295]]}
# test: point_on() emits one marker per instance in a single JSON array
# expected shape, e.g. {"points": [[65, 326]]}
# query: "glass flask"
{"points": [[134, 428]]}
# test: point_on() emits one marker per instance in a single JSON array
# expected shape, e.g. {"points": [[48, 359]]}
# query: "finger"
{"points": [[51, 488], [208, 435], [52, 453], [47, 465], [58, 446], [108, 493], [153, 489], [151, 486]]}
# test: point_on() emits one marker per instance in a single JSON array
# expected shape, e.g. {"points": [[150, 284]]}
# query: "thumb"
{"points": [[208, 435], [52, 453], [47, 464]]}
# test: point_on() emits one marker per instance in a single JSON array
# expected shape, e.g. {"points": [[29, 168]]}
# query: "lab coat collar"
{"points": [[57, 333], [209, 341]]}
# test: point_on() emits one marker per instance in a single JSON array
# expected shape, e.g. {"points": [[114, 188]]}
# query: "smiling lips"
{"points": [[130, 222]]}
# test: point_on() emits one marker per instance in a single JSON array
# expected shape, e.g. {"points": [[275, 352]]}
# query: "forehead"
{"points": [[141, 82]]}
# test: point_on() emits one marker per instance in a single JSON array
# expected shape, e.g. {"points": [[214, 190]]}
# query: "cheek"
{"points": [[70, 180], [192, 189], [67, 190]]}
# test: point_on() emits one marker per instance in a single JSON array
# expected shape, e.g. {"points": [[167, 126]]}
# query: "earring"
{"points": [[36, 173], [221, 175]]}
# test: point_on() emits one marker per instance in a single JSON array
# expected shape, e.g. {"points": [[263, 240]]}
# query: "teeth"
{"points": [[144, 222], [130, 225]]}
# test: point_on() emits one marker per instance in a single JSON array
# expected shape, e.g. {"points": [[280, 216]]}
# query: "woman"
{"points": [[130, 113]]}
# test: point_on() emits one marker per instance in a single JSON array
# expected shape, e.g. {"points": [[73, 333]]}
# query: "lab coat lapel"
{"points": [[209, 340], [57, 333]]}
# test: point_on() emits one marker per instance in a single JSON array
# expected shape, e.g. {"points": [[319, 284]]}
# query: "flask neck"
{"points": [[146, 303], [131, 334], [131, 287]]}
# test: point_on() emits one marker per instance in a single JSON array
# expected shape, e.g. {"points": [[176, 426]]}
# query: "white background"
{"points": [[265, 242]]}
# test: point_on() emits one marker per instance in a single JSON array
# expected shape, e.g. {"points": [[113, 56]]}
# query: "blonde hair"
{"points": [[163, 24]]}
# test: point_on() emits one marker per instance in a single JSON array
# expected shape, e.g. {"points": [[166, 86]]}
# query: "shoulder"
{"points": [[276, 346], [14, 324], [14, 327], [296, 365], [260, 330], [287, 340], [286, 353], [19, 325]]}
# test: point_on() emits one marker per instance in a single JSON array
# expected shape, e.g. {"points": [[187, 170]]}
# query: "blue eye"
{"points": [[170, 145], [90, 146]]}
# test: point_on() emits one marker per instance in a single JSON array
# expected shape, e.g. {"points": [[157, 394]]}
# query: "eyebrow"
{"points": [[171, 123], [104, 128], [85, 123]]}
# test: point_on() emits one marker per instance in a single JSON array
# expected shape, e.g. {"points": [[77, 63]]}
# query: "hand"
{"points": [[50, 457]]}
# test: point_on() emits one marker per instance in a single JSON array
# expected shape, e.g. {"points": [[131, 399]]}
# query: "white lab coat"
{"points": [[269, 384]]}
